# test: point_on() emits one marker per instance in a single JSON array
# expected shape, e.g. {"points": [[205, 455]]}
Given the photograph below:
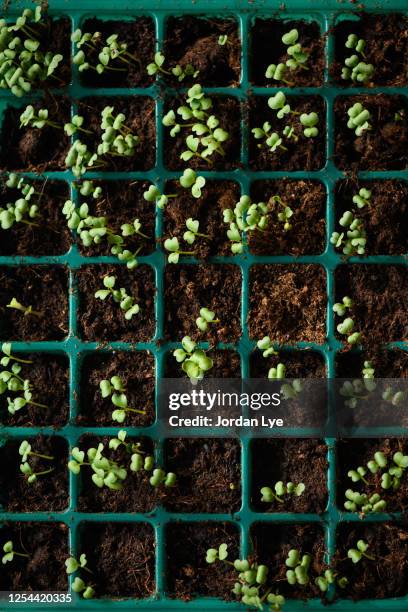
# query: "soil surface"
{"points": [[380, 296], [384, 147], [303, 154], [44, 569], [50, 492], [139, 36], [290, 461], [354, 453], [287, 303], [268, 48], [103, 320], [122, 202], [384, 577], [192, 40], [216, 197], [189, 288], [140, 119], [136, 370], [299, 364], [43, 288], [226, 364], [50, 234], [48, 376], [386, 38], [387, 364], [121, 557], [307, 199], [208, 475], [227, 111], [33, 149], [188, 573]]}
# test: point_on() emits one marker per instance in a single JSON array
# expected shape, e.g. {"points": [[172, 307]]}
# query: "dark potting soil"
{"points": [[385, 217], [303, 154], [192, 40], [226, 364], [50, 492], [48, 375], [48, 234], [44, 569], [307, 199], [137, 494], [188, 574], [33, 149], [139, 36], [354, 453], [43, 288], [216, 197], [139, 112], [387, 363], [299, 364], [380, 297], [271, 545], [123, 202], [191, 287], [268, 48], [103, 320], [208, 475], [227, 111], [386, 38], [121, 557], [384, 147], [137, 371], [290, 461], [287, 303], [384, 577]]}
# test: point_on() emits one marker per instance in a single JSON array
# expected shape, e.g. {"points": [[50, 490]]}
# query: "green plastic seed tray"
{"points": [[326, 13]]}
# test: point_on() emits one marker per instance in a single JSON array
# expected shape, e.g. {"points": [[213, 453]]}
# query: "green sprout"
{"points": [[157, 67], [356, 554], [279, 103], [119, 296], [309, 122], [8, 548], [72, 565], [354, 68], [347, 325], [280, 490], [250, 585], [87, 188], [288, 390], [298, 572], [272, 139], [26, 452], [108, 473], [330, 577], [245, 217], [223, 40], [360, 502], [192, 232], [392, 397], [359, 119], [355, 239], [209, 136], [36, 119], [189, 180], [22, 210], [357, 390], [195, 361], [266, 346], [23, 65], [92, 48], [26, 310], [297, 60], [115, 389], [173, 246], [206, 318]]}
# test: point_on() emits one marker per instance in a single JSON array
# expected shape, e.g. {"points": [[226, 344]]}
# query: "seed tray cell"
{"points": [[161, 523]]}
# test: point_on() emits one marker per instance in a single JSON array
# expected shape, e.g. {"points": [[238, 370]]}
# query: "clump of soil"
{"points": [[208, 475], [103, 320], [137, 371], [46, 290], [192, 40], [139, 36], [50, 492], [307, 199], [268, 48], [216, 197], [48, 376], [287, 303], [226, 364], [121, 557], [189, 288], [47, 547], [303, 154], [385, 146], [290, 461], [188, 573]]}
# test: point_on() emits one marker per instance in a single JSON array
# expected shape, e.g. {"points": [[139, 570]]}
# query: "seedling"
{"points": [[206, 318], [72, 565], [354, 68], [209, 136], [347, 325], [93, 53], [173, 246], [357, 390], [272, 139], [26, 452], [265, 345], [189, 180], [297, 60], [395, 398], [288, 390], [309, 122], [115, 389], [22, 210], [356, 554], [36, 119], [355, 239], [8, 548], [195, 361], [280, 490], [192, 232], [359, 119], [119, 296], [223, 40], [298, 572], [390, 479], [360, 502], [157, 67], [245, 217], [330, 577], [26, 310]]}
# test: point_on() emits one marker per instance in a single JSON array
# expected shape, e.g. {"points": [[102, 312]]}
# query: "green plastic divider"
{"points": [[325, 12]]}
